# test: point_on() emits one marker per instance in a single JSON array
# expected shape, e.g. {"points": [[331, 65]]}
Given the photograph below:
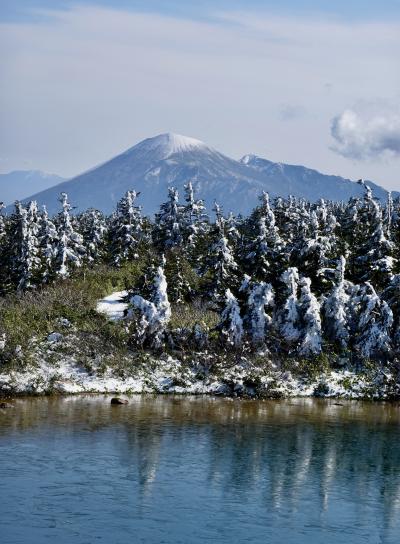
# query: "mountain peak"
{"points": [[157, 163], [168, 144]]}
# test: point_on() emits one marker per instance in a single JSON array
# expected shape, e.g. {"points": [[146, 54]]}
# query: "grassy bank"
{"points": [[95, 354], [35, 314]]}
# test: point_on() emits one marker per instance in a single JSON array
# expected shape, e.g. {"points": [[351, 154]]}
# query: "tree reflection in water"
{"points": [[314, 463]]}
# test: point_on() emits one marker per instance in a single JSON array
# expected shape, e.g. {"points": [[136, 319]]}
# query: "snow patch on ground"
{"points": [[113, 305]]}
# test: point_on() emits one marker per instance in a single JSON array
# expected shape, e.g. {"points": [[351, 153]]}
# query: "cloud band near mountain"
{"points": [[359, 136]]}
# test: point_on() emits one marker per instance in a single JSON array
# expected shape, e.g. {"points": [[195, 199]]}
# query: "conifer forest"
{"points": [[294, 279]]}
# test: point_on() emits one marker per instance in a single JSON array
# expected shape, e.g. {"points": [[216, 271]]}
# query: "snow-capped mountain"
{"points": [[154, 164], [17, 184]]}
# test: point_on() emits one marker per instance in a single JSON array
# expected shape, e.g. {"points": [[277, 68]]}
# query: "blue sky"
{"points": [[304, 82], [350, 9]]}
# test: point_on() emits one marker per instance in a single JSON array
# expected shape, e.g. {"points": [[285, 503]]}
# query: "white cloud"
{"points": [[367, 136]]}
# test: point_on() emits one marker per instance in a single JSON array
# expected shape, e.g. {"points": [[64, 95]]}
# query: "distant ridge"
{"points": [[154, 164], [18, 183]]}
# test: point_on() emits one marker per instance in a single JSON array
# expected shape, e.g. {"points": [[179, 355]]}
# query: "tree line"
{"points": [[293, 278]]}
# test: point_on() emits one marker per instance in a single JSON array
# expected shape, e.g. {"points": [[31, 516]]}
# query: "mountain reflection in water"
{"points": [[170, 469]]}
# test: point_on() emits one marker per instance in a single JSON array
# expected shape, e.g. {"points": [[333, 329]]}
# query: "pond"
{"points": [[194, 469]]}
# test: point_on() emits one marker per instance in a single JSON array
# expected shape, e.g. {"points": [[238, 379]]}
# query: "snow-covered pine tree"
{"points": [[395, 232], [30, 259], [126, 229], [336, 309], [296, 231], [93, 227], [2, 222], [389, 216], [220, 262], [372, 253], [349, 233], [322, 213], [289, 316], [231, 323], [273, 237], [380, 258], [48, 239], [3, 260], [281, 215], [22, 253], [314, 250], [232, 230], [258, 259], [311, 337], [150, 317], [259, 299], [292, 218], [4, 253], [263, 249], [375, 320], [195, 219], [219, 214], [69, 249], [392, 296], [169, 222]]}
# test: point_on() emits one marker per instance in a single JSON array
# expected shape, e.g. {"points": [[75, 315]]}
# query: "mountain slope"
{"points": [[19, 183], [307, 183], [154, 164]]}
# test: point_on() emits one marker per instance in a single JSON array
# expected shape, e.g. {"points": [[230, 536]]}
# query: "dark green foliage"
{"points": [[201, 261], [183, 282]]}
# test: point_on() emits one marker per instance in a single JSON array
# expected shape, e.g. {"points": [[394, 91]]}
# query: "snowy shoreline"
{"points": [[59, 367], [168, 375]]}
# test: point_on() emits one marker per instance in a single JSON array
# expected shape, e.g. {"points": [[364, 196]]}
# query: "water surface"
{"points": [[189, 470]]}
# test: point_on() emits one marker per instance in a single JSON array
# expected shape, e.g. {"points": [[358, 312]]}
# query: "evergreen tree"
{"points": [[126, 229], [48, 241], [392, 296], [20, 256], [220, 262], [349, 232], [372, 253], [93, 227], [336, 309], [180, 277], [311, 341], [3, 251], [389, 216], [289, 315], [150, 317], [169, 222], [260, 299], [231, 323], [264, 252], [69, 249], [375, 319], [2, 222], [231, 227], [195, 220], [315, 250]]}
